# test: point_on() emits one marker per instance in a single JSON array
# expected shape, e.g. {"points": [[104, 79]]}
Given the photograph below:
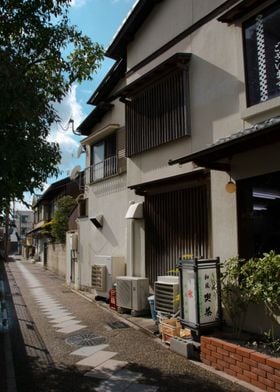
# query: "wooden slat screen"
{"points": [[158, 114], [177, 223]]}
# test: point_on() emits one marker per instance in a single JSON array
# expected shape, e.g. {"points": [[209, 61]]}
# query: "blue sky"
{"points": [[100, 20]]}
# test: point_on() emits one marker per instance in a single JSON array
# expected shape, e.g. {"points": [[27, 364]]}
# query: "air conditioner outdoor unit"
{"points": [[165, 295], [104, 271], [132, 292]]}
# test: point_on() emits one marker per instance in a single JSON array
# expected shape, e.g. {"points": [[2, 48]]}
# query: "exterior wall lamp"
{"points": [[230, 186]]}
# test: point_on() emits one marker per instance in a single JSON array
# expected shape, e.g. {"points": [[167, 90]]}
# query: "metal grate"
{"points": [[177, 223], [86, 339], [118, 325]]}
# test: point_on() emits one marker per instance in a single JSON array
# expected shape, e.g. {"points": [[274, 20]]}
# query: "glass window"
{"points": [[103, 158], [262, 55], [24, 218], [259, 215]]}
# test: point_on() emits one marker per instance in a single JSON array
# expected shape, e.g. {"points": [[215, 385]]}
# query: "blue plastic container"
{"points": [[151, 300]]}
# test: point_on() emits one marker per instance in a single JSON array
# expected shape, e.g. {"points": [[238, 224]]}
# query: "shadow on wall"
{"points": [[213, 97], [109, 186]]}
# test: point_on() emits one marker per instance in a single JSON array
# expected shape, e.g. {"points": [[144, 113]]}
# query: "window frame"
{"points": [[108, 168], [252, 17]]}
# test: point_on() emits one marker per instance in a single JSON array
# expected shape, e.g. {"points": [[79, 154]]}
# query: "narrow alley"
{"points": [[61, 341]]}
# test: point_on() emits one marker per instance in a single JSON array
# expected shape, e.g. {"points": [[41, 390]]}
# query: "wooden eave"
{"points": [[117, 48], [239, 10], [218, 156], [103, 91], [85, 128], [177, 60]]}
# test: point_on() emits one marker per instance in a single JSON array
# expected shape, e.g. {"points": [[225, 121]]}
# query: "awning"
{"points": [[168, 183], [219, 154], [177, 60]]}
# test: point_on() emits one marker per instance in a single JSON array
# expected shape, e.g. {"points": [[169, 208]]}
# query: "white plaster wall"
{"points": [[165, 22], [224, 218], [108, 198], [216, 84]]}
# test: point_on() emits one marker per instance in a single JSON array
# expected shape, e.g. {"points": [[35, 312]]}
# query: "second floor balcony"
{"points": [[103, 169]]}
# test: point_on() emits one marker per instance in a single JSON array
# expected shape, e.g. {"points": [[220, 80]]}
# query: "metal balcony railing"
{"points": [[103, 169]]}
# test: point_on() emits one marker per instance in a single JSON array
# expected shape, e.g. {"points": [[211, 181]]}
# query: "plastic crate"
{"points": [[169, 328]]}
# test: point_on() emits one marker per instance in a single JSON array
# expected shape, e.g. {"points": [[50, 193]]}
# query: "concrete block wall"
{"points": [[57, 259], [248, 365]]}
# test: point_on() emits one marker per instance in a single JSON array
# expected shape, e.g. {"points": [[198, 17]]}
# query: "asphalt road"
{"points": [[42, 355]]}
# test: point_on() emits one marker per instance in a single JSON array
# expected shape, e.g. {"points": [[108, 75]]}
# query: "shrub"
{"points": [[61, 216], [235, 296], [262, 279]]}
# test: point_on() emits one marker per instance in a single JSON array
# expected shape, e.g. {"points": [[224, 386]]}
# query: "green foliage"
{"points": [[235, 296], [252, 281], [60, 221], [41, 55], [262, 279]]}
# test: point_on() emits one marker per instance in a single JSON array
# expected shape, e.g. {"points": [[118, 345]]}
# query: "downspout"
{"points": [[135, 211]]}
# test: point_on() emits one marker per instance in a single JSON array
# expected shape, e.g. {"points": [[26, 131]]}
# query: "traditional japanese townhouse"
{"points": [[102, 229], [201, 107], [52, 256]]}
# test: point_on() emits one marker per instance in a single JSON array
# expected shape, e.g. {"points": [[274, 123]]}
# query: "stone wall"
{"points": [[56, 260]]}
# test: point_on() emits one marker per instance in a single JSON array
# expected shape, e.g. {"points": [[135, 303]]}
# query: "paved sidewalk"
{"points": [[72, 344]]}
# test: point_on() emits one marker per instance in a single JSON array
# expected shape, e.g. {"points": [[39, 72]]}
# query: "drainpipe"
{"points": [[135, 211]]}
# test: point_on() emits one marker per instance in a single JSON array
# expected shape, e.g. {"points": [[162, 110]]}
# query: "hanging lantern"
{"points": [[230, 186]]}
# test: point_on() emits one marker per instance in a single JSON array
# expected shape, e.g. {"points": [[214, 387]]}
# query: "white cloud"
{"points": [[78, 3], [62, 133]]}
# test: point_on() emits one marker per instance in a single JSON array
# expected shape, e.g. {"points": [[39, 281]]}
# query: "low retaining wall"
{"points": [[248, 365], [57, 259]]}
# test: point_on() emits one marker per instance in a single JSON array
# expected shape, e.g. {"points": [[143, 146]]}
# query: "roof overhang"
{"points": [[242, 8], [161, 185], [131, 24], [85, 128], [105, 88], [219, 155], [176, 61], [101, 133]]}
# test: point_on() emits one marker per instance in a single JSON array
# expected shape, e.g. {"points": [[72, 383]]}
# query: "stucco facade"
{"points": [[213, 134]]}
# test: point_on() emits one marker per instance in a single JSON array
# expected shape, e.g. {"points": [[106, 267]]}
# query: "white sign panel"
{"points": [[189, 296], [207, 291]]}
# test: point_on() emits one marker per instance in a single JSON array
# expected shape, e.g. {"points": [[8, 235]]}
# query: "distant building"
{"points": [[23, 222]]}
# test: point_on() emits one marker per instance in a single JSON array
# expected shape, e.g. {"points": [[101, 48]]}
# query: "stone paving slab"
{"points": [[61, 319], [96, 359], [142, 388], [59, 314], [52, 306], [64, 324], [114, 386], [126, 374], [112, 365], [71, 328], [89, 350]]}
